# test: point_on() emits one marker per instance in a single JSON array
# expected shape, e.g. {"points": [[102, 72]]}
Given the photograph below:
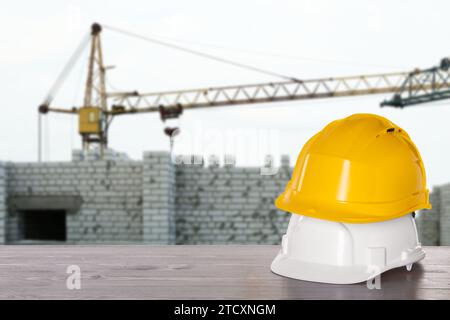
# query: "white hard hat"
{"points": [[343, 253]]}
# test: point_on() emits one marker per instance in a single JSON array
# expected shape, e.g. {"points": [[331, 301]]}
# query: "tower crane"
{"points": [[100, 106]]}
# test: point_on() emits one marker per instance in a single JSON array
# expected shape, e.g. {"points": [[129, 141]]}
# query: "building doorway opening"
{"points": [[47, 225]]}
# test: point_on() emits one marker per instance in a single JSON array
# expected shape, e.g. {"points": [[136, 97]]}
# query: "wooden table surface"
{"points": [[195, 272]]}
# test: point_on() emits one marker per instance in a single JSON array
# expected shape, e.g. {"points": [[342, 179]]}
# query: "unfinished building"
{"points": [[149, 201], [157, 201]]}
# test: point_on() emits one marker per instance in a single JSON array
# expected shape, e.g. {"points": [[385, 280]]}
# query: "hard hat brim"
{"points": [[286, 266]]}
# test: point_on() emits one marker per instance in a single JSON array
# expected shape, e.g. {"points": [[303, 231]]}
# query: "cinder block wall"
{"points": [[151, 201], [434, 224], [428, 221], [111, 193], [444, 209], [219, 205], [156, 201], [2, 202]]}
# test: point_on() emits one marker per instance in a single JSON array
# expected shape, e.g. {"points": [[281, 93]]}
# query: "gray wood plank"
{"points": [[195, 272]]}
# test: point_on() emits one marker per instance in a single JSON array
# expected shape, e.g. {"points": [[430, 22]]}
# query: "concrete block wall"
{"points": [[111, 193], [2, 202], [444, 219], [153, 200], [434, 224], [428, 221], [158, 201], [229, 205], [158, 198]]}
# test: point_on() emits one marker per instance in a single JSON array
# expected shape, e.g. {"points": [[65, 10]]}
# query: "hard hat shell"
{"points": [[359, 169], [344, 253]]}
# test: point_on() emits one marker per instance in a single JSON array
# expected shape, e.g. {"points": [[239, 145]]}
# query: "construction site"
{"points": [[102, 196], [156, 201], [250, 151]]}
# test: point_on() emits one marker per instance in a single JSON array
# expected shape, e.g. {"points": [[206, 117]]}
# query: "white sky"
{"points": [[305, 39]]}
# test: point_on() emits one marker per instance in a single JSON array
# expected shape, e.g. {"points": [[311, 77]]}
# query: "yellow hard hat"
{"points": [[359, 169]]}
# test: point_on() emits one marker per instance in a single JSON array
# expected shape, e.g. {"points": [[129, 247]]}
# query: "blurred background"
{"points": [[131, 196]]}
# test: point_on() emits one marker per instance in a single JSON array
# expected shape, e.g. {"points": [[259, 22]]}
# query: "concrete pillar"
{"points": [[158, 207]]}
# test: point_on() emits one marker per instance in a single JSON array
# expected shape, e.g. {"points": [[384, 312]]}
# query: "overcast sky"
{"points": [[305, 39]]}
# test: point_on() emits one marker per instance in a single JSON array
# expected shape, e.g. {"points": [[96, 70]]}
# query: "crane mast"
{"points": [[100, 107], [94, 113]]}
